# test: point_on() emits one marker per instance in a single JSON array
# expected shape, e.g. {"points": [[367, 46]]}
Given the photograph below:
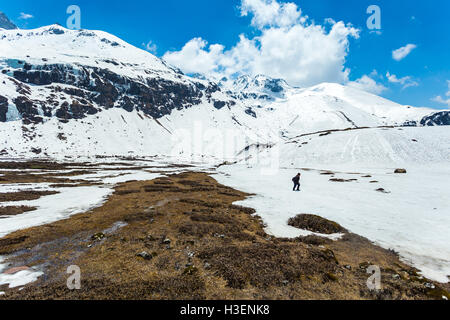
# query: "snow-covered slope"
{"points": [[5, 23], [410, 216], [259, 87], [348, 177], [81, 92], [57, 83], [198, 133], [365, 147], [58, 45], [295, 111]]}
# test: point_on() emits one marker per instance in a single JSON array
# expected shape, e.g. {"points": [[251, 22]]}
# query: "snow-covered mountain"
{"points": [[334, 106], [259, 87], [5, 23], [53, 71], [81, 92]]}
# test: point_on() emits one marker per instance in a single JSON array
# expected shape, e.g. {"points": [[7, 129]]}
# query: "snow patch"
{"points": [[55, 207], [17, 279], [413, 219]]}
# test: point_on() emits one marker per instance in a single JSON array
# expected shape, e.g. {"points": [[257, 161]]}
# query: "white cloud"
{"points": [[197, 57], [439, 99], [446, 101], [150, 47], [402, 52], [288, 46], [406, 82], [368, 84], [25, 16], [271, 13]]}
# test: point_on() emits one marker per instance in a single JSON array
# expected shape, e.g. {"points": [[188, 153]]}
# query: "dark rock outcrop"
{"points": [[3, 108], [154, 96], [441, 118]]}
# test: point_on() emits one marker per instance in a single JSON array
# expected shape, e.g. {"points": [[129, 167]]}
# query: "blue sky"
{"points": [[420, 77]]}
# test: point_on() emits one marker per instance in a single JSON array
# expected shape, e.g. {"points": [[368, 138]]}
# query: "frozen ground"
{"points": [[68, 201], [413, 219], [72, 200], [17, 279], [54, 207]]}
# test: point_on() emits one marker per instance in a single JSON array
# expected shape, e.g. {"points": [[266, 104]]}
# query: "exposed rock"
{"points": [[331, 277], [3, 108], [441, 118], [16, 269], [382, 190], [429, 285], [155, 97], [207, 266], [145, 255], [342, 180], [400, 171], [166, 241], [98, 236]]}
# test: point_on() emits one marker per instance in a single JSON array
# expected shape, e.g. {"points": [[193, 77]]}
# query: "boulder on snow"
{"points": [[400, 171]]}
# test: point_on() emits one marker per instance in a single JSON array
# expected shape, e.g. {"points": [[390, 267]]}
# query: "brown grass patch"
{"points": [[43, 165], [24, 195], [315, 224], [199, 246], [15, 210], [11, 241], [314, 240], [263, 265]]}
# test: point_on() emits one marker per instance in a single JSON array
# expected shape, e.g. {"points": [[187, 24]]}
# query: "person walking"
{"points": [[296, 181]]}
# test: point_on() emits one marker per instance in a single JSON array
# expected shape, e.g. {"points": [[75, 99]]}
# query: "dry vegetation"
{"points": [[181, 237], [315, 223], [14, 210], [24, 195]]}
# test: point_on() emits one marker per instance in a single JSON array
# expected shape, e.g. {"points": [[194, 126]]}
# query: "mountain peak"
{"points": [[5, 23], [260, 83], [58, 45]]}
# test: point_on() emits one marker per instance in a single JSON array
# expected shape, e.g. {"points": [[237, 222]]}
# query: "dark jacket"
{"points": [[296, 179]]}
